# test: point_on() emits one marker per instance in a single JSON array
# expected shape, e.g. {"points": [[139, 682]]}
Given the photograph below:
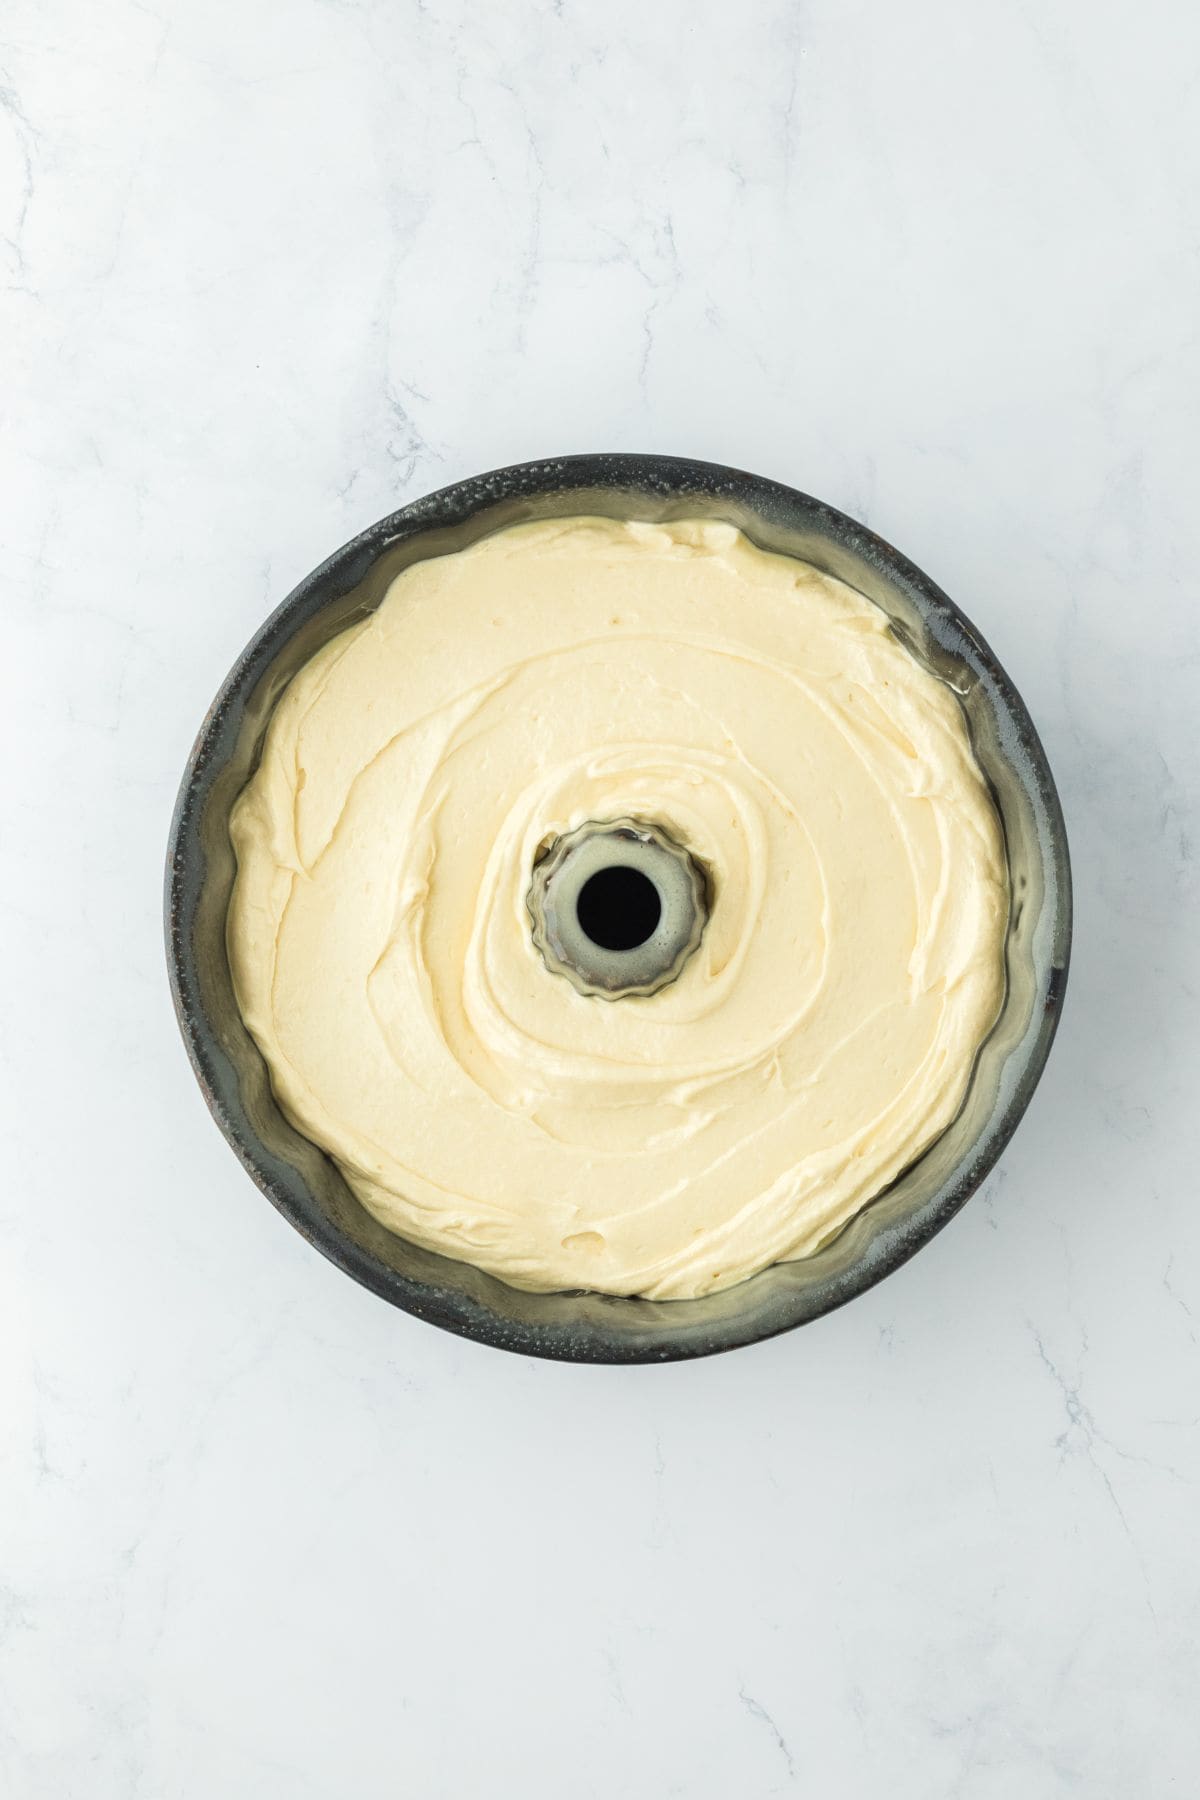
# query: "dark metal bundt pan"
{"points": [[301, 1180]]}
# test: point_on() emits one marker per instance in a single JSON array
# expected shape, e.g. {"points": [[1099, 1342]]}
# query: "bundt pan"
{"points": [[304, 1184]]}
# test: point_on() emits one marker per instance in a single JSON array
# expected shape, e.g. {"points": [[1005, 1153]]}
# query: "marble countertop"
{"points": [[267, 271]]}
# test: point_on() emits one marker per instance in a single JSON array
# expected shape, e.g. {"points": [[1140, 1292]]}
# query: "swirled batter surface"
{"points": [[817, 1041]]}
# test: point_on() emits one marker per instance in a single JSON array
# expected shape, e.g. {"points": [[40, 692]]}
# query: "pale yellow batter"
{"points": [[817, 1041]]}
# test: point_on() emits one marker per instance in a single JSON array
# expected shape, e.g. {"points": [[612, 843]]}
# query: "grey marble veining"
{"points": [[265, 273]]}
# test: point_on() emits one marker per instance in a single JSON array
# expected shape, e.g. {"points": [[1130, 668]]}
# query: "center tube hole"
{"points": [[618, 908]]}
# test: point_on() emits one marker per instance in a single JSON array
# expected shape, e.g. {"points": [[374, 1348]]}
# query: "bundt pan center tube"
{"points": [[617, 910]]}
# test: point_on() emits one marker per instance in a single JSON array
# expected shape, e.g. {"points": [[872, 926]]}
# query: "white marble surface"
{"points": [[270, 269]]}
